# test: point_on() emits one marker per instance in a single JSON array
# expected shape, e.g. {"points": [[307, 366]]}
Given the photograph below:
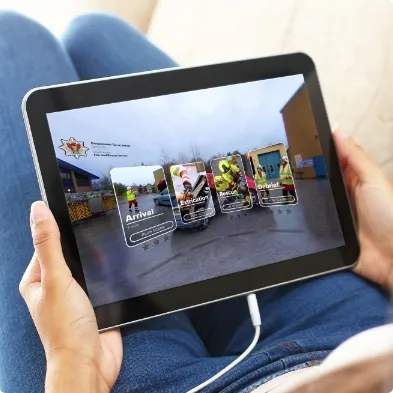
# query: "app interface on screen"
{"points": [[144, 221], [192, 192], [230, 180], [171, 190]]}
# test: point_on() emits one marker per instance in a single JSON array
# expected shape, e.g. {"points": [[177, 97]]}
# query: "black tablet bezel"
{"points": [[39, 102]]}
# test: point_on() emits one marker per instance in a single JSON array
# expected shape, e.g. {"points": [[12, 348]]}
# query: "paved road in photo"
{"points": [[232, 242]]}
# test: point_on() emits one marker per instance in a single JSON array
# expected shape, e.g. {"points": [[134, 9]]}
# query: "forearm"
{"points": [[66, 376]]}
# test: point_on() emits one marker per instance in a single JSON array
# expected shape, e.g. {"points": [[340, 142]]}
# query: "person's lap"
{"points": [[29, 57], [301, 322]]}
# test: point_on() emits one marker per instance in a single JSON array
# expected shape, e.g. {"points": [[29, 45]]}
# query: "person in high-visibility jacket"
{"points": [[131, 198], [226, 173], [260, 177], [286, 179], [181, 171], [221, 184], [236, 172], [261, 181], [226, 168]]}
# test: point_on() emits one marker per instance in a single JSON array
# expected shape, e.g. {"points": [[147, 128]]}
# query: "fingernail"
{"points": [[39, 212]]}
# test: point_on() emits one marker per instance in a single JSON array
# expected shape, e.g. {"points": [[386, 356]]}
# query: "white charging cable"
{"points": [[256, 321]]}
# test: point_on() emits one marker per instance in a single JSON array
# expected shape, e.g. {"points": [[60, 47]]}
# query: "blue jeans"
{"points": [[301, 322]]}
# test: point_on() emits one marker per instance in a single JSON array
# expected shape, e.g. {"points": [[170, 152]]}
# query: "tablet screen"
{"points": [[176, 189]]}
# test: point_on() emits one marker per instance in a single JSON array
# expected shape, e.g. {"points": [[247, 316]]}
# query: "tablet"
{"points": [[185, 186]]}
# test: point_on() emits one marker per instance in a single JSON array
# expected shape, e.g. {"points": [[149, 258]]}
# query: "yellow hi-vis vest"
{"points": [[221, 184], [235, 170], [284, 173], [130, 195], [260, 180], [177, 169], [228, 177]]}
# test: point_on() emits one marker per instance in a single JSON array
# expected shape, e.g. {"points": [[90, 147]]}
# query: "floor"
{"points": [[257, 237]]}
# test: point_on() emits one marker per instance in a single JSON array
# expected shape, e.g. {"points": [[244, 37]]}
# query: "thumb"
{"points": [[46, 240], [352, 157]]}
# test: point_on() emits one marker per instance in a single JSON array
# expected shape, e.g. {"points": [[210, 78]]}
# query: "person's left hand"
{"points": [[371, 195], [78, 357]]}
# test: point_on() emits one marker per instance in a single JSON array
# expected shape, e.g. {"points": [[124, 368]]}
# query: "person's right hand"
{"points": [[79, 359], [371, 194]]}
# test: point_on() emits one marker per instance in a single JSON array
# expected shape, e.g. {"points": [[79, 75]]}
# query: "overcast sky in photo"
{"points": [[219, 120], [139, 175]]}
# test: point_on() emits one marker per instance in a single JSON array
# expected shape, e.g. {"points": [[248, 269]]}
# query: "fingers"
{"points": [[352, 157], [46, 240]]}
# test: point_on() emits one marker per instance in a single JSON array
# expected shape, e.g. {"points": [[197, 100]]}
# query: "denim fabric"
{"points": [[103, 45], [301, 322], [29, 57]]}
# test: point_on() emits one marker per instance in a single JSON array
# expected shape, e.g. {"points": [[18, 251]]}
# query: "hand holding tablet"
{"points": [[182, 187]]}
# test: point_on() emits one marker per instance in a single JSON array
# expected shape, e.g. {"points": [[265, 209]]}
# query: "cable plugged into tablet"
{"points": [[256, 321]]}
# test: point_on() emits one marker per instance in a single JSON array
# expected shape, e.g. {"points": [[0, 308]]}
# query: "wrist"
{"points": [[65, 374]]}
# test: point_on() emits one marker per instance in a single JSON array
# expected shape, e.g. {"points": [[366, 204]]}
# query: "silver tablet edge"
{"points": [[230, 297], [43, 193], [32, 147]]}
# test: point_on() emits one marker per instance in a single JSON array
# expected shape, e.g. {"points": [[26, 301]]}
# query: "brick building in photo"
{"points": [[304, 153], [75, 179]]}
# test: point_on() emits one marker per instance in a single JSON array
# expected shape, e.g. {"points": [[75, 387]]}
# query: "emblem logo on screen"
{"points": [[74, 148]]}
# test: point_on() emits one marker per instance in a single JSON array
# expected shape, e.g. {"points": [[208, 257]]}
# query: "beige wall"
{"points": [[137, 12], [351, 42], [57, 14]]}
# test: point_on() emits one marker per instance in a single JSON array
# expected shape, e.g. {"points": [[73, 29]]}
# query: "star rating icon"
{"points": [[145, 246], [156, 242], [73, 148], [289, 211]]}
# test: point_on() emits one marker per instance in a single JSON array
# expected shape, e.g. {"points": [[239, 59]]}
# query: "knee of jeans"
{"points": [[20, 31], [90, 30], [94, 24]]}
